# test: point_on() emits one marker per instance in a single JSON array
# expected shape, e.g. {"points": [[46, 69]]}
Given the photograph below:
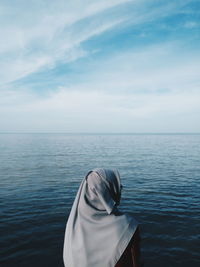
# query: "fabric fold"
{"points": [[97, 233]]}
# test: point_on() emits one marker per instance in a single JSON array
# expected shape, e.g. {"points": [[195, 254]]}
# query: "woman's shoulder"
{"points": [[126, 258]]}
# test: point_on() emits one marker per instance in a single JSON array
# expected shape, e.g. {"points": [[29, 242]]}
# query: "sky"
{"points": [[90, 66]]}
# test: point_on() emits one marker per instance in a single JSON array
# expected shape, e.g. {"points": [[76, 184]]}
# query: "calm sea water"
{"points": [[40, 174]]}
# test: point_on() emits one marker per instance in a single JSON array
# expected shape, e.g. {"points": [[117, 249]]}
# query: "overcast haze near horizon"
{"points": [[100, 66]]}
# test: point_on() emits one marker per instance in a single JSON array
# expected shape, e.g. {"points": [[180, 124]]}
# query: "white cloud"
{"points": [[86, 111], [48, 35], [38, 34], [151, 88], [125, 95], [154, 69]]}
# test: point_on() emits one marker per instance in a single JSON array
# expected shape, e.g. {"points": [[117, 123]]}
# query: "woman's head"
{"points": [[104, 186], [96, 230]]}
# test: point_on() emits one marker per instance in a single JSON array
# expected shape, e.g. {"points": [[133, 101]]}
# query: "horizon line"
{"points": [[107, 133]]}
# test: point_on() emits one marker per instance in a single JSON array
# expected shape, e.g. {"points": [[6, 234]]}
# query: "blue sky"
{"points": [[100, 66]]}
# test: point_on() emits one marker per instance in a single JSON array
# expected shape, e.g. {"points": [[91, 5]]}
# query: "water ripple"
{"points": [[40, 175]]}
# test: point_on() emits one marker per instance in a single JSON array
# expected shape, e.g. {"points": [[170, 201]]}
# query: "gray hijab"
{"points": [[97, 233]]}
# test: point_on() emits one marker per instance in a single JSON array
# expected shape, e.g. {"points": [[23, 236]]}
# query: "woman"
{"points": [[97, 233]]}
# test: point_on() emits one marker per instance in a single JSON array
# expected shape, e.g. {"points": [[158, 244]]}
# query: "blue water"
{"points": [[40, 174]]}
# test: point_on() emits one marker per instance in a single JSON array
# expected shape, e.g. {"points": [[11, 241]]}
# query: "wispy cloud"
{"points": [[44, 33], [119, 66], [30, 43], [69, 111]]}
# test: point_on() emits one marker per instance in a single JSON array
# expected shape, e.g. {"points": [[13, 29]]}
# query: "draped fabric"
{"points": [[97, 233]]}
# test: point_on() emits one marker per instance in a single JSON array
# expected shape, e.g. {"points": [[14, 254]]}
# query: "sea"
{"points": [[41, 173]]}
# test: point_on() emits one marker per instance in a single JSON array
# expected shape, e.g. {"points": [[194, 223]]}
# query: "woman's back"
{"points": [[97, 233], [131, 255]]}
